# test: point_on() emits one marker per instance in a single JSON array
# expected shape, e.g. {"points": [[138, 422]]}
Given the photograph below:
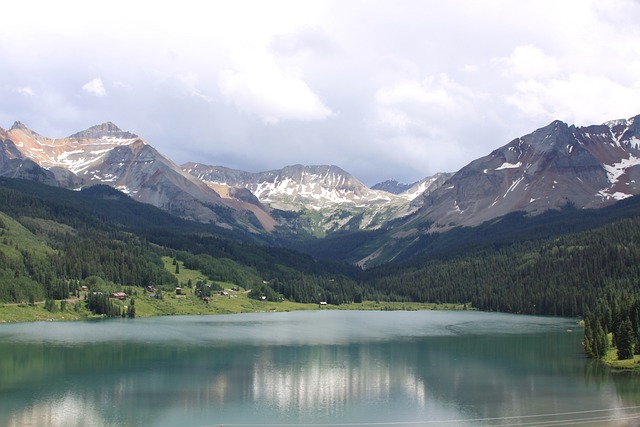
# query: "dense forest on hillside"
{"points": [[51, 240], [560, 276], [564, 263]]}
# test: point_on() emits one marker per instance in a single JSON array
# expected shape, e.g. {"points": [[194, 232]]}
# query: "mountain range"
{"points": [[555, 166]]}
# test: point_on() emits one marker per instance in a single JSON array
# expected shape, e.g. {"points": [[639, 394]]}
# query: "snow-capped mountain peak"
{"points": [[328, 196], [76, 153], [557, 164]]}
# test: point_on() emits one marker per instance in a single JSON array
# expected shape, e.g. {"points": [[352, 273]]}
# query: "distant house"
{"points": [[224, 293], [323, 303], [119, 295], [150, 289], [84, 288], [178, 291]]}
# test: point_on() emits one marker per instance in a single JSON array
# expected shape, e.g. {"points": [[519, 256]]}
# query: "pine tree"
{"points": [[131, 311], [625, 340], [587, 340]]}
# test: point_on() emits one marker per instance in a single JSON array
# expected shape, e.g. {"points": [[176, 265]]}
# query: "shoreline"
{"points": [[177, 306]]}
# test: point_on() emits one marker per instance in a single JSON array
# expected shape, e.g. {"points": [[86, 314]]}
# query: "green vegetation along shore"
{"points": [[230, 299]]}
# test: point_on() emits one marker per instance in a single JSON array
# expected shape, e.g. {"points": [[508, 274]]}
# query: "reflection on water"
{"points": [[295, 368]]}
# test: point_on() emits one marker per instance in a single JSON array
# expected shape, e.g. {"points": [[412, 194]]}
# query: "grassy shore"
{"points": [[189, 304], [611, 360], [235, 300]]}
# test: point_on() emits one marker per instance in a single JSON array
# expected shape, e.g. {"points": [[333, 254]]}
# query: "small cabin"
{"points": [[323, 303], [84, 288], [178, 291], [119, 295]]}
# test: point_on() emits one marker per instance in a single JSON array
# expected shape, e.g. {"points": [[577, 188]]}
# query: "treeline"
{"points": [[563, 276], [280, 278], [87, 235]]}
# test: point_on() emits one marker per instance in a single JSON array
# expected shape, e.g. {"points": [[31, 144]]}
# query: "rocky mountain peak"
{"points": [[551, 137], [392, 186], [104, 130], [18, 125]]}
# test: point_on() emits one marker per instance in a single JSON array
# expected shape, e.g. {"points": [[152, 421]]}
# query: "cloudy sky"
{"points": [[384, 89]]}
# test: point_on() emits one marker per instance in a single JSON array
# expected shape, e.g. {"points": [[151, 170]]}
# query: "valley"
{"points": [[546, 224]]}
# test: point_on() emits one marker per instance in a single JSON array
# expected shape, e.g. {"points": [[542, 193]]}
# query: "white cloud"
{"points": [[27, 91], [95, 87], [423, 103], [529, 61], [580, 98], [496, 70], [426, 124], [262, 89], [190, 83]]}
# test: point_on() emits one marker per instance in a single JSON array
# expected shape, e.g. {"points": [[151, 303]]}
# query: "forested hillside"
{"points": [[560, 276], [54, 240]]}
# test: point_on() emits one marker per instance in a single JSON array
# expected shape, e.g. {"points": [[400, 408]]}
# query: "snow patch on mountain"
{"points": [[507, 165], [615, 171]]}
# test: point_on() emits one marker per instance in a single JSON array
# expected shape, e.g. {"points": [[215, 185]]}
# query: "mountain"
{"points": [[317, 199], [551, 168], [556, 165], [391, 186], [104, 154], [13, 165]]}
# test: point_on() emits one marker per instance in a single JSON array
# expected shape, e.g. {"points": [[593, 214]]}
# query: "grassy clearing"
{"points": [[611, 360], [185, 274], [28, 313]]}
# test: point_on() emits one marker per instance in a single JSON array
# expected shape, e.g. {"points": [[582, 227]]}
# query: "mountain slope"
{"points": [[558, 164], [14, 165], [555, 166], [322, 199], [70, 236], [107, 155]]}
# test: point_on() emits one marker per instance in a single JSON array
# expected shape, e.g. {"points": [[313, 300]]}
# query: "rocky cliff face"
{"points": [[14, 165], [392, 186]]}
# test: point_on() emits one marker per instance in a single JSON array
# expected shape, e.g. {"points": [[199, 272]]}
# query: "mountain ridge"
{"points": [[104, 154], [325, 198], [552, 167]]}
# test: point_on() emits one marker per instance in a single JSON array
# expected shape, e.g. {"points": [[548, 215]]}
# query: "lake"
{"points": [[321, 368]]}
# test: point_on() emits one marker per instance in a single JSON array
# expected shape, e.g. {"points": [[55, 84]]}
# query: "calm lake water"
{"points": [[323, 368]]}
